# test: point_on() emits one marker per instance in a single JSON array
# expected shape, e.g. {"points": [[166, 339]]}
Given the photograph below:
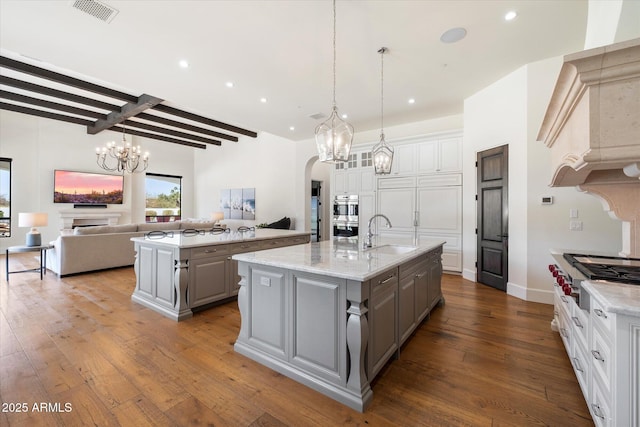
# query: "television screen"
{"points": [[87, 188]]}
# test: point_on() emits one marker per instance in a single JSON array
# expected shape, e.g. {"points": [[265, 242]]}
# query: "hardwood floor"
{"points": [[79, 346]]}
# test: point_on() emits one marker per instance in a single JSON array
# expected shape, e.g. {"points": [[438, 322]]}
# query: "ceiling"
{"points": [[282, 51]]}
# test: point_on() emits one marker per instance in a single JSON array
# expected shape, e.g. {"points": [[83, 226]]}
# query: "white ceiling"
{"points": [[282, 50]]}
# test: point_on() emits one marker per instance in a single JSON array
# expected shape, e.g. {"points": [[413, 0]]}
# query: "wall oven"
{"points": [[345, 215]]}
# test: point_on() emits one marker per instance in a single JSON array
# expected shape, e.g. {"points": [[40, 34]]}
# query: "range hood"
{"points": [[592, 126]]}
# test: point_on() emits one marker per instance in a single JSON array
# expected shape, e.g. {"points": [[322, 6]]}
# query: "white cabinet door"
{"points": [[428, 157], [366, 209], [352, 179], [450, 155], [404, 160], [339, 182], [440, 209], [398, 204]]}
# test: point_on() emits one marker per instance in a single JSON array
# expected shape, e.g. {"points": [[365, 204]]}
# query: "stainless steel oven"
{"points": [[345, 215]]}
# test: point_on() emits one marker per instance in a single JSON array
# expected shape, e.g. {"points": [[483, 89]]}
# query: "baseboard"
{"points": [[531, 295], [469, 274]]}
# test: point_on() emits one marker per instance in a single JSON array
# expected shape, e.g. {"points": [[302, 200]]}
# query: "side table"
{"points": [[43, 258]]}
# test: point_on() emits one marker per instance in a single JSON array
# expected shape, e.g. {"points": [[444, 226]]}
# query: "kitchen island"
{"points": [[177, 273], [330, 315]]}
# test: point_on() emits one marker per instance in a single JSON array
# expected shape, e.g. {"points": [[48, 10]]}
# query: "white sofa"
{"points": [[102, 247]]}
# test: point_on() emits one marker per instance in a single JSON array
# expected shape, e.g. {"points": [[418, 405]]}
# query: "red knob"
{"points": [[567, 290], [552, 268], [555, 273], [560, 280]]}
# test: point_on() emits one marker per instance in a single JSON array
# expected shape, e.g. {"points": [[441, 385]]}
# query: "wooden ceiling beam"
{"points": [[159, 137], [43, 73], [146, 126], [130, 109], [186, 126], [45, 114], [51, 105], [205, 120], [43, 90]]}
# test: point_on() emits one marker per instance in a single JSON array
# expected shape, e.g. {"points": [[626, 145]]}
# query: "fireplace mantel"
{"points": [[89, 216]]}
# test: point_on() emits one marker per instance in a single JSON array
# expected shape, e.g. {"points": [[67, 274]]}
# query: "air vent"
{"points": [[317, 116], [96, 9]]}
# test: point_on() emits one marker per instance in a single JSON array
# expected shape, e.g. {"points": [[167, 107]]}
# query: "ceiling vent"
{"points": [[317, 116], [96, 9]]}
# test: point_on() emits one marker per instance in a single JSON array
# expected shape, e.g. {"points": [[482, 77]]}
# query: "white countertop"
{"points": [[177, 240], [615, 297], [342, 258]]}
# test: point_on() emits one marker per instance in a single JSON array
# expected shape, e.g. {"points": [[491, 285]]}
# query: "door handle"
{"points": [[504, 236]]}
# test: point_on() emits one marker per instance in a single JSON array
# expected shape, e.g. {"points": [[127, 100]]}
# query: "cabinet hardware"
{"points": [[597, 411], [564, 333], [564, 299], [600, 313], [596, 354], [577, 322], [210, 251], [382, 282], [576, 364]]}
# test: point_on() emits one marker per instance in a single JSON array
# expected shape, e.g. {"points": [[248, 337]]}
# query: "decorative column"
{"points": [[181, 285], [357, 340]]}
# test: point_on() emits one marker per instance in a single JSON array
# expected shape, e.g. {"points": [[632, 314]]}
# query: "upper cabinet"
{"points": [[428, 157]]}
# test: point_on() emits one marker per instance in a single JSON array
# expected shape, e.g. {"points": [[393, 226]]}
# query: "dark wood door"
{"points": [[493, 217]]}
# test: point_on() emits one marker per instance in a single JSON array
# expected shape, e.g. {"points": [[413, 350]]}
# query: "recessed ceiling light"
{"points": [[184, 63], [453, 35], [291, 128], [344, 116], [411, 101], [263, 100], [511, 15], [229, 84]]}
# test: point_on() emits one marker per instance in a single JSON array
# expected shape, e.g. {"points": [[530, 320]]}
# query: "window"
{"points": [[162, 197], [5, 197], [352, 161], [367, 159]]}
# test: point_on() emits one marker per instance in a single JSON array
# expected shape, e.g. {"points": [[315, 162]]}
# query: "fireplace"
{"points": [[69, 219], [592, 128]]}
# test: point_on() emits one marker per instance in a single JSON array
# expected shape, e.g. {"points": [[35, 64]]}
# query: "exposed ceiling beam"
{"points": [[146, 126], [186, 126], [205, 120], [159, 137], [43, 90], [45, 114], [61, 78], [130, 109], [51, 105]]}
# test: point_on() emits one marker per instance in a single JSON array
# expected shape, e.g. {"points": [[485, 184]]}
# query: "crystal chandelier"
{"points": [[127, 157], [334, 136], [382, 153]]}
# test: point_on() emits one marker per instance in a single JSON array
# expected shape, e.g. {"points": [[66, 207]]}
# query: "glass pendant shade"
{"points": [[333, 139], [382, 157]]}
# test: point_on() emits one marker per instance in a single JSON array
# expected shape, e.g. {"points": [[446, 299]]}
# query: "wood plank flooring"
{"points": [[81, 347]]}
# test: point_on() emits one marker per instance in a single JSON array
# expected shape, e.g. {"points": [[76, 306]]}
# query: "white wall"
{"points": [[612, 21], [510, 111], [265, 163], [39, 146]]}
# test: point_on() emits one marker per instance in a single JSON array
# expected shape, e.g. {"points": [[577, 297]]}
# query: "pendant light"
{"points": [[334, 136], [382, 153]]}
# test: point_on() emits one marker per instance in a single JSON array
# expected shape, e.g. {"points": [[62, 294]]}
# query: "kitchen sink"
{"points": [[392, 249]]}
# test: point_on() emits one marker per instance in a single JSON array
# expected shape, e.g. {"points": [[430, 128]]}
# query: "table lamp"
{"points": [[33, 220], [217, 217]]}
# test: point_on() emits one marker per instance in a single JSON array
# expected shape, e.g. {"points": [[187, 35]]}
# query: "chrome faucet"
{"points": [[367, 243]]}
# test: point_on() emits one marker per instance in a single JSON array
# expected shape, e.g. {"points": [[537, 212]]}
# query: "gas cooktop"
{"points": [[613, 269]]}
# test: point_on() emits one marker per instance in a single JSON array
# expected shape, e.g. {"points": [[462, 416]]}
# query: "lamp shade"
{"points": [[33, 219], [217, 216]]}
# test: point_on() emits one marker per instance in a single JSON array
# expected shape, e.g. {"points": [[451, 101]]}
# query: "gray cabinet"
{"points": [[383, 319]]}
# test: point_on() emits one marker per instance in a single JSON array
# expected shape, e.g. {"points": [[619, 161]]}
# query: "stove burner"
{"points": [[614, 269]]}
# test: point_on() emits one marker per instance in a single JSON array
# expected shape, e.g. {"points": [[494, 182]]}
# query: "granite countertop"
{"points": [[176, 239], [615, 297], [342, 258]]}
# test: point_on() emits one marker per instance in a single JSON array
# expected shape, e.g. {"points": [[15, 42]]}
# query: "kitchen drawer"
{"points": [[599, 405], [299, 240], [384, 281], [239, 248], [580, 320], [565, 330], [209, 251], [601, 318], [409, 268], [562, 303], [601, 358], [581, 361]]}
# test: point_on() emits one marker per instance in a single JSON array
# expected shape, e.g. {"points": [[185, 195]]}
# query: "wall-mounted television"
{"points": [[87, 188]]}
